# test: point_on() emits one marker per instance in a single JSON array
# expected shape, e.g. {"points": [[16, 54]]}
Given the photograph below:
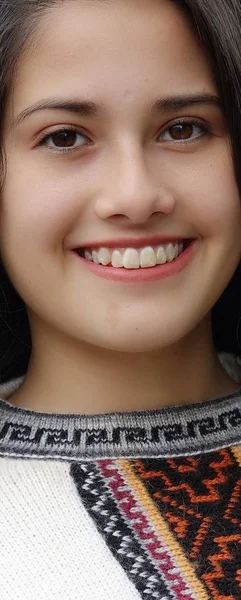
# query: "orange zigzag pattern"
{"points": [[210, 484], [216, 560]]}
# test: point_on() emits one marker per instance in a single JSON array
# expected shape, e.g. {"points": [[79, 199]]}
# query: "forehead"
{"points": [[108, 50]]}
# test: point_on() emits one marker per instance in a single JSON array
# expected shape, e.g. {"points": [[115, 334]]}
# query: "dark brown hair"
{"points": [[218, 25]]}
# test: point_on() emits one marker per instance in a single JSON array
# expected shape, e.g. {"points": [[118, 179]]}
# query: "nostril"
{"points": [[118, 217]]}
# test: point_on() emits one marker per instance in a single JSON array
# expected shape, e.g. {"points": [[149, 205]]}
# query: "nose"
{"points": [[133, 189]]}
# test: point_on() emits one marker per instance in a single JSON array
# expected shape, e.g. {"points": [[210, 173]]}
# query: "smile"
{"points": [[138, 265], [134, 258]]}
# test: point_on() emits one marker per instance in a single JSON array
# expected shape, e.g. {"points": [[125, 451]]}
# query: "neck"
{"points": [[66, 377]]}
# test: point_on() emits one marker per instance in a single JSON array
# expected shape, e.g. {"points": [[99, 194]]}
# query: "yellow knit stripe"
{"points": [[236, 450], [162, 528]]}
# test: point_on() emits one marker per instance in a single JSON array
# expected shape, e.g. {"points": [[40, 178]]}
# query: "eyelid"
{"points": [[185, 120], [42, 141], [45, 135]]}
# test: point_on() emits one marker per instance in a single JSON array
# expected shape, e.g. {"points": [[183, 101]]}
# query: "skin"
{"points": [[98, 345]]}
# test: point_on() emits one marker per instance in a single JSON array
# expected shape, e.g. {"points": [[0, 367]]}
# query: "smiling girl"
{"points": [[120, 242]]}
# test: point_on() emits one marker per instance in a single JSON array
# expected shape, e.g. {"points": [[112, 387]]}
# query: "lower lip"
{"points": [[141, 275]]}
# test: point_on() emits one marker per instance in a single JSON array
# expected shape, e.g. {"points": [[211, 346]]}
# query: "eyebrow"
{"points": [[91, 109], [174, 103]]}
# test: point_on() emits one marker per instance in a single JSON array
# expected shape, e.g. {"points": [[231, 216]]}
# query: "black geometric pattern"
{"points": [[200, 499], [119, 537]]}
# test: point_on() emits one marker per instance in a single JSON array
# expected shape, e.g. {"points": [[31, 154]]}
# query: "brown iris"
{"points": [[181, 131], [64, 138]]}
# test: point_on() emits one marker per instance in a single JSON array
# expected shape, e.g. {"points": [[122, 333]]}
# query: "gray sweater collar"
{"points": [[166, 432]]}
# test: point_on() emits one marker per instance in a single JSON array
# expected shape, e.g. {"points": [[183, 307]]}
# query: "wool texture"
{"points": [[142, 505]]}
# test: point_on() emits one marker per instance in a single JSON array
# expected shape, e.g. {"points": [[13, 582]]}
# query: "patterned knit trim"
{"points": [[173, 431], [199, 499], [174, 525], [154, 562], [154, 516], [142, 516], [125, 546]]}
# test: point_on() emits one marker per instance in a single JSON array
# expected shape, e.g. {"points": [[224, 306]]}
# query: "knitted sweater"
{"points": [[128, 505]]}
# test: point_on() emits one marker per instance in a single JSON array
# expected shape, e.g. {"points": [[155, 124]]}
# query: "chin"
{"points": [[139, 340]]}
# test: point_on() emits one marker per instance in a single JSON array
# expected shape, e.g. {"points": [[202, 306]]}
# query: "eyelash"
{"points": [[203, 126], [206, 129], [43, 140]]}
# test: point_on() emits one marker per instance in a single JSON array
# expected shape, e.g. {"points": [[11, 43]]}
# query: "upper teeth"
{"points": [[132, 258]]}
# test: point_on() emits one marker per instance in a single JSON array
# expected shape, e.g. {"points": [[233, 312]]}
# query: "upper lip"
{"points": [[134, 242]]}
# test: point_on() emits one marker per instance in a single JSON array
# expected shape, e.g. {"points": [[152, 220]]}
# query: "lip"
{"points": [[141, 275], [134, 242]]}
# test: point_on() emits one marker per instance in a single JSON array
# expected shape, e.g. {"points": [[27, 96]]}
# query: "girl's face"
{"points": [[100, 155]]}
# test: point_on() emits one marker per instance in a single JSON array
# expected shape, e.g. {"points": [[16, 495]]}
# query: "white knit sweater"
{"points": [[130, 506]]}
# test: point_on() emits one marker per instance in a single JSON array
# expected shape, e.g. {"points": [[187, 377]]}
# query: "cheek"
{"points": [[211, 201], [38, 214]]}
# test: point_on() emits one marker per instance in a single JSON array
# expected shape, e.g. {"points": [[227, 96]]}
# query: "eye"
{"points": [[64, 140], [184, 131]]}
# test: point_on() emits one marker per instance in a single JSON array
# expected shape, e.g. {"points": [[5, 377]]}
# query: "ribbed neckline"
{"points": [[166, 432]]}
